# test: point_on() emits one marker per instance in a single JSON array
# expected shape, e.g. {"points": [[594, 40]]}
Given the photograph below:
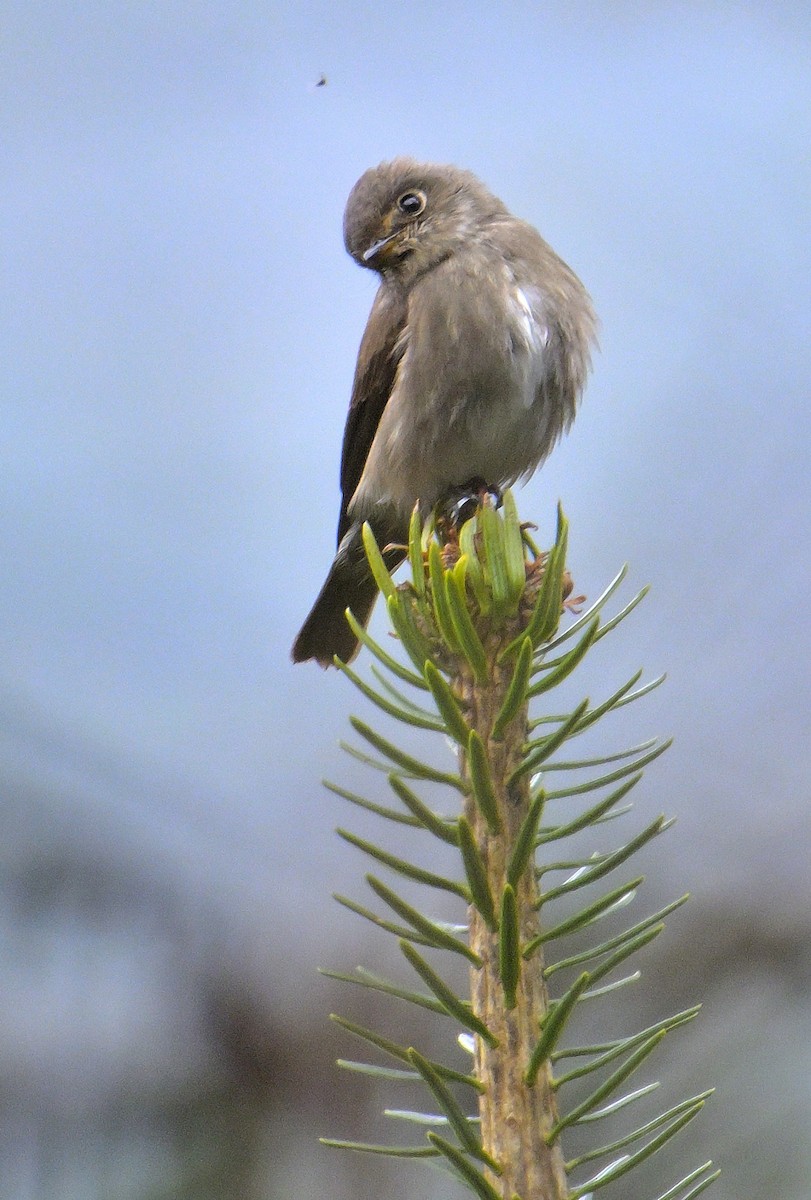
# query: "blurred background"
{"points": [[178, 335]]}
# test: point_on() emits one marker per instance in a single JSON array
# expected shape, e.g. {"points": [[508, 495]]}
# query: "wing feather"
{"points": [[378, 357]]}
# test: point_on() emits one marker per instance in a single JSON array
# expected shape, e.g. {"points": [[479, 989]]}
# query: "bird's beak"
{"points": [[383, 249]]}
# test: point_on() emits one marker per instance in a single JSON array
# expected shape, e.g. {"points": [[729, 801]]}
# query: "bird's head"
{"points": [[403, 217]]}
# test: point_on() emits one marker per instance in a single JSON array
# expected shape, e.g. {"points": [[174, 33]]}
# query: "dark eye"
{"points": [[411, 204]]}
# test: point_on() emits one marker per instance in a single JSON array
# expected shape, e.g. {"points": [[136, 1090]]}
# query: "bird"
{"points": [[472, 365]]}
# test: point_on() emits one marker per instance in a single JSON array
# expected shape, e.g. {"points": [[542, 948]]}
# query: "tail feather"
{"points": [[326, 631], [350, 584]]}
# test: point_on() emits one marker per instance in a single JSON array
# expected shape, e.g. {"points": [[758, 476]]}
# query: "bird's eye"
{"points": [[411, 204]]}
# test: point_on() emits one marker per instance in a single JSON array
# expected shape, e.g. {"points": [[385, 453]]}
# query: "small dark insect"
{"points": [[321, 81]]}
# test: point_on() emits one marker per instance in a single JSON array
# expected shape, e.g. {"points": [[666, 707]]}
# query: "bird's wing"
{"points": [[378, 357]]}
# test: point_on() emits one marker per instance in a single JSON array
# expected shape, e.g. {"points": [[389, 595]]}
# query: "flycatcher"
{"points": [[472, 364]]}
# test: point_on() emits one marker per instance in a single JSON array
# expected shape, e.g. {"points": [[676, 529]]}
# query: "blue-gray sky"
{"points": [[180, 324]]}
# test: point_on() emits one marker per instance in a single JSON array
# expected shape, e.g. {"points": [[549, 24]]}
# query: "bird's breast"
{"points": [[471, 396]]}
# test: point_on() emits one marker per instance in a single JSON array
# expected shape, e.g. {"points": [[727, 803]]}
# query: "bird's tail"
{"points": [[326, 631], [349, 585]]}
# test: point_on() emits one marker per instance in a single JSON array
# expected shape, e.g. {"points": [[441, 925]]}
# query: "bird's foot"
{"points": [[459, 504]]}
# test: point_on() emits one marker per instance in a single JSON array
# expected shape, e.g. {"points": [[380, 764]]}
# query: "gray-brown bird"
{"points": [[472, 364]]}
